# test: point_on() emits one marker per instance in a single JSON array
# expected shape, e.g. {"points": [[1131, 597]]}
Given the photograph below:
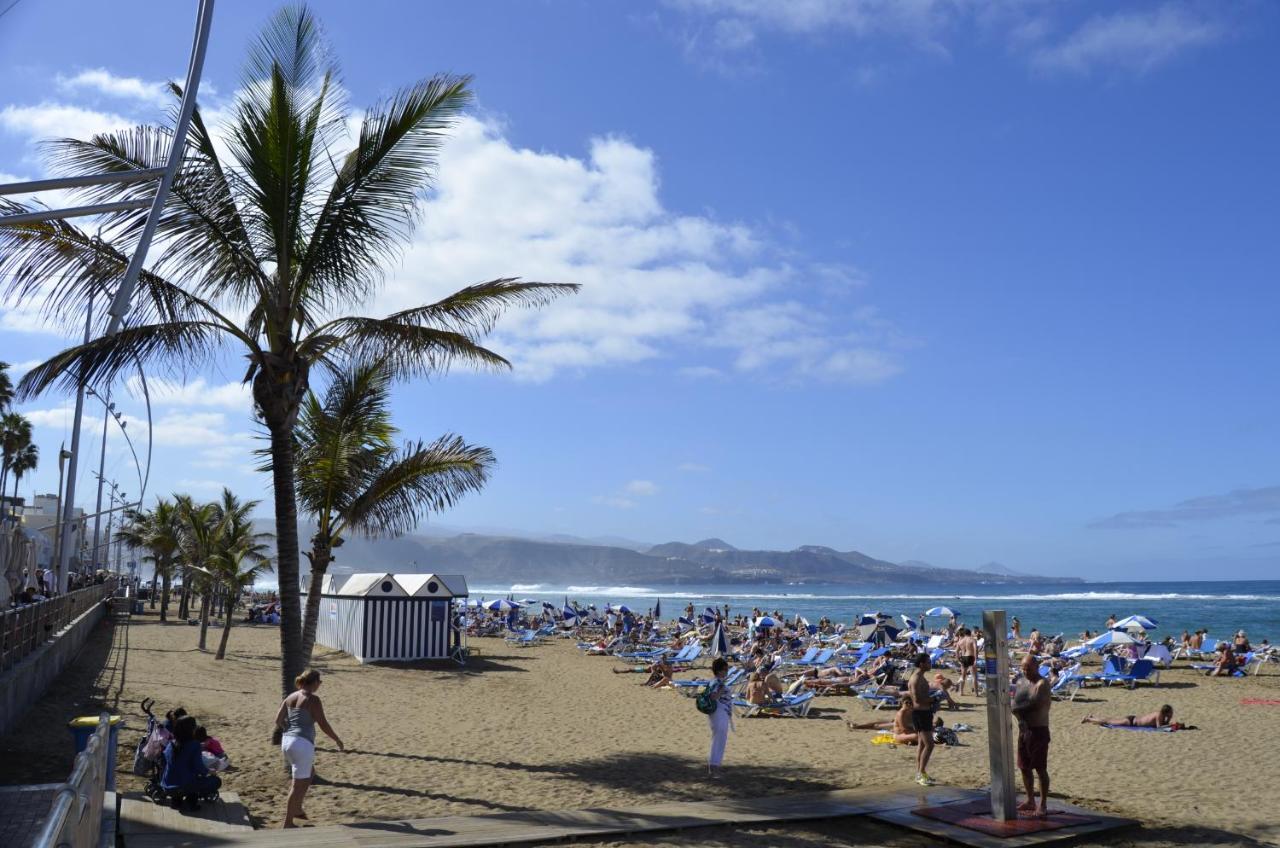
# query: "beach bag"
{"points": [[141, 765], [156, 742], [706, 700]]}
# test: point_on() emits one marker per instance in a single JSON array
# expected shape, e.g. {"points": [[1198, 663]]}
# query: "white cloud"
{"points": [[196, 392], [643, 488], [128, 88], [190, 485], [1136, 41], [60, 120], [17, 369], [613, 501], [59, 417], [653, 279]]}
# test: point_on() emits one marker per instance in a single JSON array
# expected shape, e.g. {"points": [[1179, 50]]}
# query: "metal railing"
{"points": [[75, 817], [24, 629]]}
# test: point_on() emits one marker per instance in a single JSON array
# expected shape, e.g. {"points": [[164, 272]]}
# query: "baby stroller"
{"points": [[148, 758]]}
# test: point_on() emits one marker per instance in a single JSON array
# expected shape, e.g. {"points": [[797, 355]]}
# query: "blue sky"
{"points": [[937, 280]]}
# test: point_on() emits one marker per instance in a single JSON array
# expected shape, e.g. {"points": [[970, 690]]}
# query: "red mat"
{"points": [[1260, 702], [976, 815]]}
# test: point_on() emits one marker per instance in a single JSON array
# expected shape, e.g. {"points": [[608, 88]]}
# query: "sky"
{"points": [[934, 280]]}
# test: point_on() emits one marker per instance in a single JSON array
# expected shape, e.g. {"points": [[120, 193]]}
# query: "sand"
{"points": [[548, 728]]}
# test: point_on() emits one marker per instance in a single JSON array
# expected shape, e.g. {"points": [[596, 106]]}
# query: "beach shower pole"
{"points": [[995, 671]]}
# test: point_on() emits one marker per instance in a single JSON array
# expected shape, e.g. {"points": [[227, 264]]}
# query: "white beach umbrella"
{"points": [[503, 605], [1111, 637], [719, 644], [943, 611], [1135, 622]]}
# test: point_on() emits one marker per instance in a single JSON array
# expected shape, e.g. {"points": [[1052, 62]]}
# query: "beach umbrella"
{"points": [[766, 621], [528, 602], [657, 609], [911, 625], [1135, 622], [568, 612], [943, 611], [624, 609], [685, 621], [719, 644], [502, 605], [1111, 637]]}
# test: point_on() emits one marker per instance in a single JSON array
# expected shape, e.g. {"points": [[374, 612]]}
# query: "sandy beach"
{"points": [[549, 728]]}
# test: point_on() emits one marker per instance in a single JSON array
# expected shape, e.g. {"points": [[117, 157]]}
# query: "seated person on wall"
{"points": [[185, 777]]}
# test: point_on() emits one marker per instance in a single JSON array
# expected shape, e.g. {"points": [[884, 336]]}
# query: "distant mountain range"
{"points": [[568, 560]]}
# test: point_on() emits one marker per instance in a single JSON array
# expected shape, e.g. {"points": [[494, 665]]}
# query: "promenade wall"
{"points": [[24, 683]]}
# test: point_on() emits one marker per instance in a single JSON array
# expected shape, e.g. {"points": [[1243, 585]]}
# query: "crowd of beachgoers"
{"points": [[779, 665]]}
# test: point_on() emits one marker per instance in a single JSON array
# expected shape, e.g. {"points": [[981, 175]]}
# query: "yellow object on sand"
{"points": [[883, 739], [90, 721]]}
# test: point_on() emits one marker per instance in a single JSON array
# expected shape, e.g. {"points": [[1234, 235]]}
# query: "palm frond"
{"points": [[177, 348], [405, 350], [372, 204], [476, 309], [416, 480]]}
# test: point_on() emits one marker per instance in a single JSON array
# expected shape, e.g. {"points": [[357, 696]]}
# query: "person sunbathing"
{"points": [[756, 692], [1225, 664], [659, 674], [900, 726], [1162, 717], [945, 684]]}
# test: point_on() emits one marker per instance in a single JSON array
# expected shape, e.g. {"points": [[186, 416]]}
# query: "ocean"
{"points": [[1221, 607]]}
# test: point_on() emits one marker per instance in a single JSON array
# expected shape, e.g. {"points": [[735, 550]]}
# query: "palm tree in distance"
{"points": [[6, 387], [239, 556], [26, 460], [157, 532], [266, 252], [352, 478], [15, 438]]}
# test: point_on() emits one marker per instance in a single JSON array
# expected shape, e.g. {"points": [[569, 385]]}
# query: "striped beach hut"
{"points": [[378, 616]]}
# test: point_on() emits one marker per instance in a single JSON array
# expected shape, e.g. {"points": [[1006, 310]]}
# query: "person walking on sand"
{"points": [[967, 654], [720, 721], [922, 717], [299, 714], [1031, 701]]}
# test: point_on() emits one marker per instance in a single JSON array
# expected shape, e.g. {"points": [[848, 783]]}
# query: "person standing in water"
{"points": [[299, 715]]}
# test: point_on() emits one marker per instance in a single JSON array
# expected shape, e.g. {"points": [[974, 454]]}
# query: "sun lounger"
{"points": [[687, 657], [791, 706], [1139, 671], [693, 686], [1068, 683]]}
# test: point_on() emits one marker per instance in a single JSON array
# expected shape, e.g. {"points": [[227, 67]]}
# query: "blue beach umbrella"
{"points": [[1111, 637], [766, 621], [943, 611], [1135, 622], [568, 612], [685, 621], [911, 625], [719, 644], [657, 609], [624, 609], [502, 605]]}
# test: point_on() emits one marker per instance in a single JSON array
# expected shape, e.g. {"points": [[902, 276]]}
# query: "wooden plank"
{"points": [[140, 816]]}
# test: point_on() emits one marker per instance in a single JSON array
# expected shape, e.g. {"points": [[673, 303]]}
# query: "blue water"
{"points": [[1220, 606]]}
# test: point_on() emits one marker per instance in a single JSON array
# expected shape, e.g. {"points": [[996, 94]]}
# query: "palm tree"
{"points": [[201, 527], [6, 387], [267, 252], [353, 479], [25, 460], [15, 437], [158, 532], [240, 555]]}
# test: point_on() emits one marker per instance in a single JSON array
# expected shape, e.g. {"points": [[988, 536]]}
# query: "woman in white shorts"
{"points": [[297, 718]]}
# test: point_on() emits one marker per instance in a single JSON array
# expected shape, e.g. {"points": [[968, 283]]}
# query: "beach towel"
{"points": [[1260, 702], [1166, 729]]}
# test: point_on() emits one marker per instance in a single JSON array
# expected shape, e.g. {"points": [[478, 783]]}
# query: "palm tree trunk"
{"points": [[155, 575], [320, 557], [184, 602], [227, 611], [292, 661], [206, 601], [166, 583]]}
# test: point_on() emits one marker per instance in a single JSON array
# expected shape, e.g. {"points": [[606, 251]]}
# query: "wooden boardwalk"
{"points": [[150, 825], [551, 825]]}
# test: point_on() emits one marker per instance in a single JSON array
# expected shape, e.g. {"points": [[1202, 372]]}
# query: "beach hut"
{"points": [[380, 616]]}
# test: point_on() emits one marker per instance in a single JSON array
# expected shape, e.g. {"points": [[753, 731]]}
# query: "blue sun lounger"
{"points": [[693, 686], [790, 706]]}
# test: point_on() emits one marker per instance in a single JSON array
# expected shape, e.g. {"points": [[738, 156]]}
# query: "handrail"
{"points": [[75, 817], [24, 629]]}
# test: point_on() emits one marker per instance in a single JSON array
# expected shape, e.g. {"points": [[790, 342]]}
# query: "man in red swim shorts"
{"points": [[1031, 701]]}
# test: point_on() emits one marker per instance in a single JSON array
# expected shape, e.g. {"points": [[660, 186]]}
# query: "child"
{"points": [[215, 758]]}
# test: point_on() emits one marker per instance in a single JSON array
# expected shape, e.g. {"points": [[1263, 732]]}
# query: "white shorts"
{"points": [[301, 754]]}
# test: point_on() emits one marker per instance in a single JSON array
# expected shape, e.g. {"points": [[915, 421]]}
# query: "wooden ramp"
{"points": [[143, 824], [550, 825]]}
